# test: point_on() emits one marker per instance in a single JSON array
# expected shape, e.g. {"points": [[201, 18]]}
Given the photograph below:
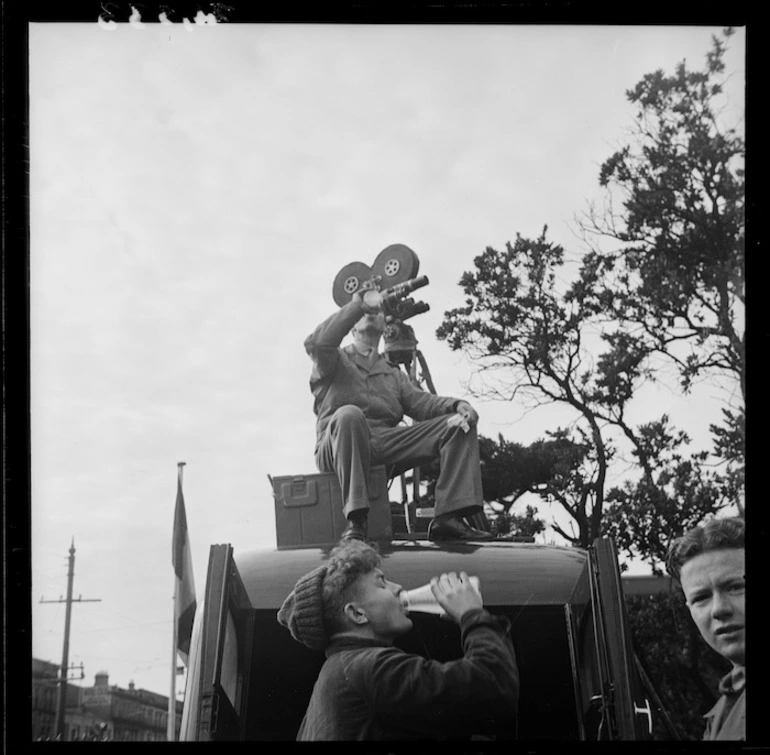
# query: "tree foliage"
{"points": [[540, 344], [515, 323], [509, 470], [676, 276], [548, 467], [674, 493], [504, 522], [671, 291], [685, 670]]}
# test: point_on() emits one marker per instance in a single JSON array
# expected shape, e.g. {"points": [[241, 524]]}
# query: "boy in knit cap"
{"points": [[370, 690]]}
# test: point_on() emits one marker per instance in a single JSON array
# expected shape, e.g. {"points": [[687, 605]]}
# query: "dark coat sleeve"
{"points": [[445, 699]]}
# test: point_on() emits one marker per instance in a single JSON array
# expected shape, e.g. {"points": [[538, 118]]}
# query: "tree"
{"points": [[550, 468], [510, 470], [541, 344], [515, 324], [676, 279], [504, 522], [672, 494], [673, 290]]}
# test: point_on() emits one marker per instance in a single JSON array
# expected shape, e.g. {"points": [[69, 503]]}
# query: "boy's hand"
{"points": [[455, 595]]}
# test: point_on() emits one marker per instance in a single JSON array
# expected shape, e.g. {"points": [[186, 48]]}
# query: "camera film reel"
{"points": [[396, 264], [350, 279]]}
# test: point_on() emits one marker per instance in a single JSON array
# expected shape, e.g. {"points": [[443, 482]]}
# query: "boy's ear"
{"points": [[355, 614]]}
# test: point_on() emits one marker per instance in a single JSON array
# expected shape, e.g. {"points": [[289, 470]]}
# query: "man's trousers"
{"points": [[350, 447]]}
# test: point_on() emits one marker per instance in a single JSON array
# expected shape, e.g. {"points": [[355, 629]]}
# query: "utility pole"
{"points": [[61, 698]]}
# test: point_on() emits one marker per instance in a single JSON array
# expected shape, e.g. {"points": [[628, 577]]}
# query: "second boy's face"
{"points": [[714, 585], [378, 599]]}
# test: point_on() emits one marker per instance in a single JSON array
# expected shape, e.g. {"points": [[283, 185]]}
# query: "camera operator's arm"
{"points": [[323, 343], [421, 405]]}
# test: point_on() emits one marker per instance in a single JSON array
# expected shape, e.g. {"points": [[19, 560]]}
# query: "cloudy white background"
{"points": [[194, 191]]}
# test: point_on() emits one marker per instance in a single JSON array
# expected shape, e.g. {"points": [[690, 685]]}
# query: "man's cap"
{"points": [[302, 613]]}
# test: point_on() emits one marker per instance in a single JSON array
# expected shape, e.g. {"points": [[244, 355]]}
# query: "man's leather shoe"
{"points": [[454, 528], [356, 529]]}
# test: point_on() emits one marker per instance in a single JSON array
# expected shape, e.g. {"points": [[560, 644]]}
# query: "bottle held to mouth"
{"points": [[422, 599]]}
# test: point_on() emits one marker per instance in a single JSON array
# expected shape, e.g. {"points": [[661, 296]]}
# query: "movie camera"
{"points": [[393, 275]]}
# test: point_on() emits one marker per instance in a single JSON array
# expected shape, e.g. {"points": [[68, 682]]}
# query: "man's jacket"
{"points": [[370, 690], [340, 377]]}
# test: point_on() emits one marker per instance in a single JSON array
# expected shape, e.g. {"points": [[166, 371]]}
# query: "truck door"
{"points": [[610, 699], [221, 657], [624, 703]]}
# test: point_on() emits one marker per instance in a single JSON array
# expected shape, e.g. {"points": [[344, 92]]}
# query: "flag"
{"points": [[184, 603]]}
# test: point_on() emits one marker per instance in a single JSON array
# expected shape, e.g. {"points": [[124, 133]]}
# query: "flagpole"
{"points": [[171, 722]]}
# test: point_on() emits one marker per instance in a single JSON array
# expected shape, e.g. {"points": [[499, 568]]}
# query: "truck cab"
{"points": [[248, 680]]}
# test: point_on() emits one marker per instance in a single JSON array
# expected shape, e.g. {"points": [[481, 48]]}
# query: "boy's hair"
{"points": [[714, 535], [346, 563]]}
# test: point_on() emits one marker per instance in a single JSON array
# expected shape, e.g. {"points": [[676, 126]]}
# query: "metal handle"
{"points": [[646, 710]]}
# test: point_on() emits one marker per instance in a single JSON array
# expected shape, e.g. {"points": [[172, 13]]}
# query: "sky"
{"points": [[194, 191]]}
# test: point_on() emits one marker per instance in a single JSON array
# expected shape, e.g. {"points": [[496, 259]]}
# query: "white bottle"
{"points": [[423, 600]]}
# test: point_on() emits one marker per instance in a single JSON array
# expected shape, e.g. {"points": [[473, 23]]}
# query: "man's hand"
{"points": [[370, 299], [467, 414], [456, 595]]}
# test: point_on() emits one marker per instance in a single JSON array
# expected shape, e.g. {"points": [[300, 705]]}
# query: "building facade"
{"points": [[101, 712], [44, 686]]}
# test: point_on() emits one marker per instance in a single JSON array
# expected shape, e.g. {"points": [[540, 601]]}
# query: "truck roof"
{"points": [[510, 573]]}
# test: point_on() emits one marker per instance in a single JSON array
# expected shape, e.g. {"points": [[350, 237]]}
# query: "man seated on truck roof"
{"points": [[370, 690], [360, 399], [710, 564]]}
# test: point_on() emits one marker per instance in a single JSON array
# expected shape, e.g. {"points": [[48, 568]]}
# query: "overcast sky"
{"points": [[194, 191]]}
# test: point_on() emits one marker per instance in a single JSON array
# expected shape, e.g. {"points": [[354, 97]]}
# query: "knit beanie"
{"points": [[302, 613]]}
